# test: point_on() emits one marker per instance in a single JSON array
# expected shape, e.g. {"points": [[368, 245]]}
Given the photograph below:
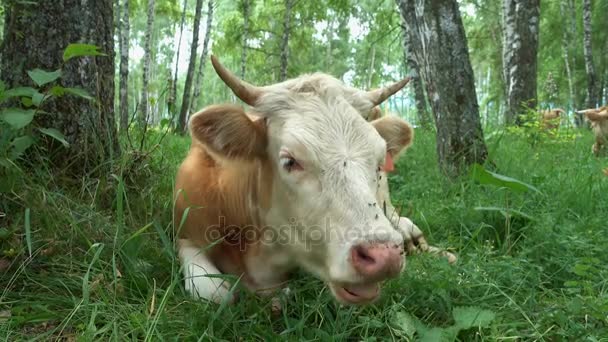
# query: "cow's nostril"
{"points": [[364, 256]]}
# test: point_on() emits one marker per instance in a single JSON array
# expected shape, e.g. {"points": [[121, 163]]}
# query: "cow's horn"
{"points": [[378, 96], [243, 90]]}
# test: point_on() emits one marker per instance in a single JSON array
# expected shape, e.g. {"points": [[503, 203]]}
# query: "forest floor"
{"points": [[93, 259]]}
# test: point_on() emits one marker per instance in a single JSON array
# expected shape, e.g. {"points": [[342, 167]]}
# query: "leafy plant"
{"points": [[464, 318], [482, 176], [534, 131], [21, 105]]}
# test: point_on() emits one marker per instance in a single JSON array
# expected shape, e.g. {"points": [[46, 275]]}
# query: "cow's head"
{"points": [[595, 115], [326, 161]]}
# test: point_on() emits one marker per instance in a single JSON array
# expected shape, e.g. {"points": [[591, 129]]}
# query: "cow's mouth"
{"points": [[355, 293]]}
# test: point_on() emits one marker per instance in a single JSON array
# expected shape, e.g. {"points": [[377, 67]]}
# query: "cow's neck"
{"points": [[246, 193]]}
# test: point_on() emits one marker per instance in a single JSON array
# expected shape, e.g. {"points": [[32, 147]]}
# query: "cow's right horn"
{"points": [[248, 93]]}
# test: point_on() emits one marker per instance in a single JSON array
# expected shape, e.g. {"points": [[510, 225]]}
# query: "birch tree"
{"points": [[183, 113], [408, 55], [439, 44], [203, 59], [173, 90], [592, 86], [144, 104], [39, 35], [124, 36], [520, 20], [285, 40], [246, 13]]}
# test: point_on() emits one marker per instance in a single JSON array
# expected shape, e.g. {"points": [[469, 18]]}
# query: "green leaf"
{"points": [[470, 316], [20, 92], [37, 99], [55, 134], [28, 231], [21, 144], [506, 212], [483, 176], [5, 234], [406, 323], [27, 102], [437, 334], [41, 77], [78, 50], [57, 91], [17, 118], [78, 92]]}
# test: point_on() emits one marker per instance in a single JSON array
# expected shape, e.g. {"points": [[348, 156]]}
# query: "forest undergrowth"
{"points": [[93, 258]]}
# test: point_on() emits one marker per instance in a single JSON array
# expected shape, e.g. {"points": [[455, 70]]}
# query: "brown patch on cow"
{"points": [[397, 133], [599, 124], [228, 132], [374, 114], [226, 182], [550, 118]]}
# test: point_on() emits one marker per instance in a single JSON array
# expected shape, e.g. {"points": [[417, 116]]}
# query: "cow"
{"points": [[299, 182], [598, 117], [550, 118]]}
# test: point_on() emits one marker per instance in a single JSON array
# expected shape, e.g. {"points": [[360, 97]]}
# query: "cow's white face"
{"points": [[326, 162]]}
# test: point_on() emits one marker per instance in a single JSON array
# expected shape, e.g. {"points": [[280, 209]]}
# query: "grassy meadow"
{"points": [[92, 258]]}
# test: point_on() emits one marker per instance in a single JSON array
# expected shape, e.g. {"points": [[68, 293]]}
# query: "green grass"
{"points": [[103, 266]]}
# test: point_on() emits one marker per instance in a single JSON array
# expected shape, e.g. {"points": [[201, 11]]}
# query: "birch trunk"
{"points": [[144, 116], [592, 95], [370, 71], [285, 40], [173, 93], [183, 113], [125, 32], [566, 39], [246, 10], [201, 65], [520, 46], [439, 44], [424, 118], [40, 33]]}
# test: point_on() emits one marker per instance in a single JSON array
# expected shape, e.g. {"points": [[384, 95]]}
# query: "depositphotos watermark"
{"points": [[295, 232]]}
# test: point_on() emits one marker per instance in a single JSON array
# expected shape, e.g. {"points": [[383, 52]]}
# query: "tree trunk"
{"points": [[246, 10], [183, 113], [439, 44], [566, 42], [203, 59], [370, 71], [124, 67], [40, 34], [330, 38], [592, 94], [144, 110], [173, 93], [285, 40], [424, 119], [520, 45]]}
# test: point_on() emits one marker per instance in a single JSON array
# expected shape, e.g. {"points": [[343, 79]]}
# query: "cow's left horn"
{"points": [[243, 90], [378, 96]]}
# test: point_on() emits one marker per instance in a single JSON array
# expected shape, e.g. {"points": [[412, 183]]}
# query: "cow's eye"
{"points": [[290, 164]]}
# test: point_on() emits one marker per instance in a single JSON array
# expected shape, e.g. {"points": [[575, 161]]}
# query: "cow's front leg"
{"points": [[413, 238], [200, 274], [415, 241]]}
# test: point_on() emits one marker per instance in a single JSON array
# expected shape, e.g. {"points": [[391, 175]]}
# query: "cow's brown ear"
{"points": [[397, 133], [228, 132]]}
